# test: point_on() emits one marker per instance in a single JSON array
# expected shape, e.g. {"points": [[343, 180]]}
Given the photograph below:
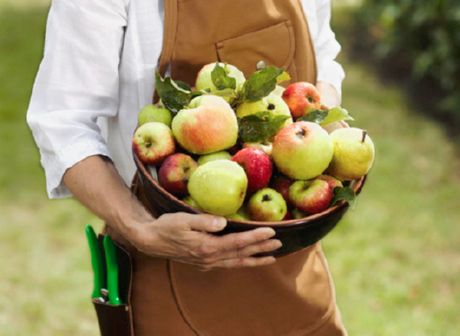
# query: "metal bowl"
{"points": [[295, 234]]}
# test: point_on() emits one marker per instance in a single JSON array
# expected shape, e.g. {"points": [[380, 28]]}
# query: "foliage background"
{"points": [[421, 40], [395, 258]]}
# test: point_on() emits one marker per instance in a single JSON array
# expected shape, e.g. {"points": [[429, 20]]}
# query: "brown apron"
{"points": [[294, 296]]}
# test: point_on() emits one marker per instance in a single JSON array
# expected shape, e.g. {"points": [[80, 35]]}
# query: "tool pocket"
{"points": [[116, 320]]}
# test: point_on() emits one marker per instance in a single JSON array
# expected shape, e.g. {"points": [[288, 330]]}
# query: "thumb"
{"points": [[207, 223]]}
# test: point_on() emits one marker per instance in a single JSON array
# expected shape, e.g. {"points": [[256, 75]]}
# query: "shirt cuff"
{"points": [[56, 164]]}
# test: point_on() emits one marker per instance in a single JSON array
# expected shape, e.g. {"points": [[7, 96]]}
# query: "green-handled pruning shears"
{"points": [[103, 281], [97, 262], [112, 270]]}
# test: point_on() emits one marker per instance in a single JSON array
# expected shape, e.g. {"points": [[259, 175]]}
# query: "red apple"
{"points": [[153, 142], [175, 172], [257, 165], [332, 181], [281, 184], [312, 196], [302, 98], [288, 216]]}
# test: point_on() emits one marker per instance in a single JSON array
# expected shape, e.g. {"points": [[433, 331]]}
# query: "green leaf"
{"points": [[343, 194], [284, 77], [220, 78], [260, 127], [325, 117], [316, 116], [183, 85], [174, 95], [198, 93], [336, 114], [261, 83]]}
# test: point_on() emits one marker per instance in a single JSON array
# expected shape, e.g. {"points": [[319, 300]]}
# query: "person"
{"points": [[97, 72]]}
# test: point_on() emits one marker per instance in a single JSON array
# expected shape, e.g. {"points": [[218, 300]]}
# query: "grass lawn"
{"points": [[395, 258]]}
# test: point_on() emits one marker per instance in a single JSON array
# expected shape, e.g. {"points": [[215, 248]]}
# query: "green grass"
{"points": [[395, 258]]}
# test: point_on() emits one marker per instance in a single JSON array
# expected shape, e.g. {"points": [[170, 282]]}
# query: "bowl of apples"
{"points": [[253, 151]]}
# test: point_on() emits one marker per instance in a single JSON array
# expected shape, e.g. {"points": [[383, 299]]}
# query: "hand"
{"points": [[329, 95], [186, 238], [330, 98]]}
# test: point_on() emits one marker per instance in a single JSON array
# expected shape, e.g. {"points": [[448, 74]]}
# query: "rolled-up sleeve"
{"points": [[327, 48], [77, 83]]}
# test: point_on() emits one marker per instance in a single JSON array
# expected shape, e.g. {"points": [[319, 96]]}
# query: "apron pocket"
{"points": [[291, 297], [274, 45]]}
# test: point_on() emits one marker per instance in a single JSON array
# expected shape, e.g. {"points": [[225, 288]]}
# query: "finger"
{"points": [[264, 246], [242, 262], [236, 241], [207, 223]]}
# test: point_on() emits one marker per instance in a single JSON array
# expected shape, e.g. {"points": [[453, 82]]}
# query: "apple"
{"points": [[281, 184], [153, 142], [302, 150], [240, 215], [156, 113], [271, 103], [278, 90], [218, 187], [207, 125], [257, 165], [297, 214], [334, 126], [265, 147], [267, 205], [311, 196], [332, 181], [302, 98], [288, 216], [190, 201], [354, 153], [175, 172], [204, 81], [221, 155]]}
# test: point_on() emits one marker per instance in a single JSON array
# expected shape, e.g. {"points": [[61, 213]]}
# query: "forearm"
{"points": [[96, 183]]}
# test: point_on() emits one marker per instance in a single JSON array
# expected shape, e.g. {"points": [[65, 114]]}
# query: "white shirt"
{"points": [[98, 71]]}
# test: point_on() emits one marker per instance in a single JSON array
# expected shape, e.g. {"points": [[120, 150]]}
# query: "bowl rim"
{"points": [[357, 186]]}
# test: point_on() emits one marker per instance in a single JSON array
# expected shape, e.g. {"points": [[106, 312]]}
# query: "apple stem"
{"points": [[301, 133], [364, 136]]}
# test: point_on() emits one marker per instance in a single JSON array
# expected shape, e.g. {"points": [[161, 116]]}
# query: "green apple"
{"points": [[221, 155], [278, 91], [156, 113], [265, 147], [272, 103], [267, 205], [354, 153], [298, 214], [240, 215], [206, 126], [218, 187], [302, 150], [190, 201], [204, 81]]}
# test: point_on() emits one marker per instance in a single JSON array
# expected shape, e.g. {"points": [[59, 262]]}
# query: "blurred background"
{"points": [[395, 258]]}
